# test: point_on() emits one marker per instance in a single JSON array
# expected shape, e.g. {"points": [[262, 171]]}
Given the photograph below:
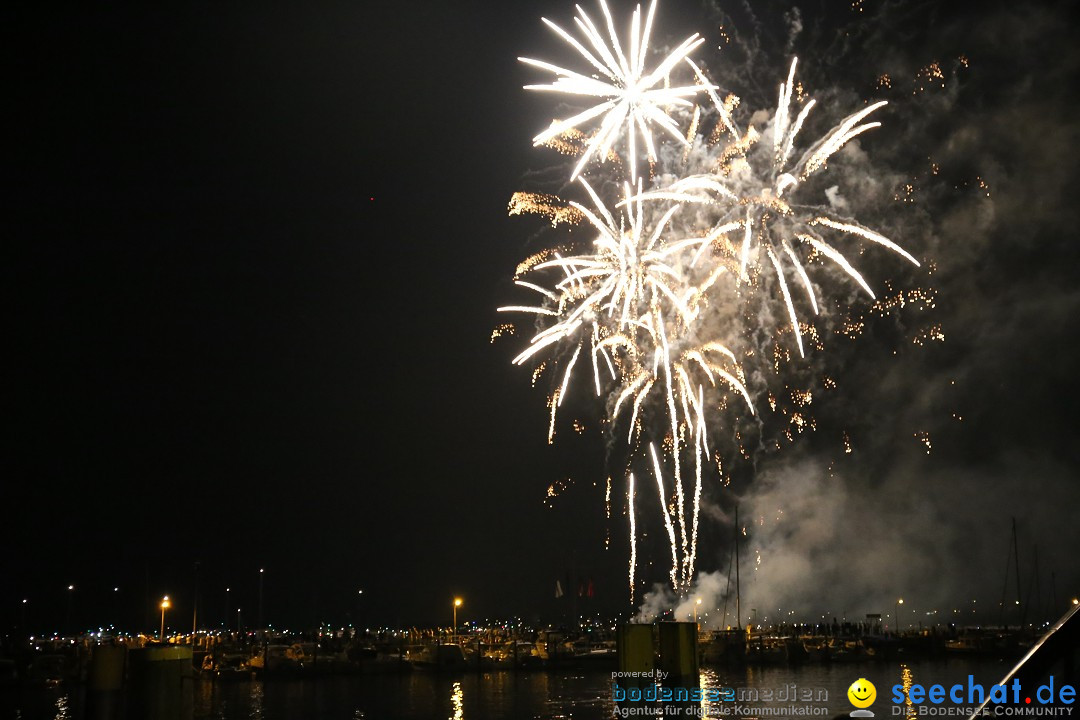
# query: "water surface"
{"points": [[509, 695]]}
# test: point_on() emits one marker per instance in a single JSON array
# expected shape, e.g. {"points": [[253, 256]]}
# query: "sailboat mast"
{"points": [[738, 589], [1016, 554]]}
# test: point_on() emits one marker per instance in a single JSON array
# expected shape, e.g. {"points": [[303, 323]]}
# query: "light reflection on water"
{"points": [[493, 696], [255, 711], [906, 680], [457, 700], [62, 708]]}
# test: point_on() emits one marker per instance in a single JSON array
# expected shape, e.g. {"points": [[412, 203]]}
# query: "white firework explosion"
{"points": [[754, 189], [632, 305], [632, 99], [642, 304]]}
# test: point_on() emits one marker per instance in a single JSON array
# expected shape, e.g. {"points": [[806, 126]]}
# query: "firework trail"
{"points": [[628, 309], [639, 306]]}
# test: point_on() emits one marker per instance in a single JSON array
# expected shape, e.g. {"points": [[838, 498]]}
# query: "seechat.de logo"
{"points": [[862, 694]]}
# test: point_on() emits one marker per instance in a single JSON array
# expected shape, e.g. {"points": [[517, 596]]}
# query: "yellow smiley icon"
{"points": [[862, 693]]}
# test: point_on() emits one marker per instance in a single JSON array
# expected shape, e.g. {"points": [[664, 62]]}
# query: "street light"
{"points": [[165, 604], [195, 605], [261, 571], [71, 593], [457, 604], [899, 602]]}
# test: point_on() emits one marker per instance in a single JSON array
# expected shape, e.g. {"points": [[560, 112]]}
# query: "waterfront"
{"points": [[547, 695]]}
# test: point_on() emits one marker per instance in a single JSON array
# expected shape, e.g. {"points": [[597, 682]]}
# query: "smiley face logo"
{"points": [[862, 693]]}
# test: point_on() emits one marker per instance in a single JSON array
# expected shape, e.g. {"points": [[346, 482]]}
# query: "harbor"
{"points": [[123, 676], [269, 654], [391, 680]]}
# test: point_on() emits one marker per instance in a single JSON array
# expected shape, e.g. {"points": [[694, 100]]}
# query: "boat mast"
{"points": [[1011, 556], [1016, 554], [738, 590]]}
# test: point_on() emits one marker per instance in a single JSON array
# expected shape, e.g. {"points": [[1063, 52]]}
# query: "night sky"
{"points": [[252, 258]]}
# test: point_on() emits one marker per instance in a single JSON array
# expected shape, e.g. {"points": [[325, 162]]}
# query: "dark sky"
{"points": [[253, 254]]}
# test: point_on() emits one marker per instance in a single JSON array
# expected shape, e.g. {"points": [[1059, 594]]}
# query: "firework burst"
{"points": [[631, 99], [630, 310], [754, 188], [645, 305]]}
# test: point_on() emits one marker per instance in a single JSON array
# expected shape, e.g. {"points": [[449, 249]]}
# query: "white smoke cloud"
{"points": [[836, 199], [823, 545]]}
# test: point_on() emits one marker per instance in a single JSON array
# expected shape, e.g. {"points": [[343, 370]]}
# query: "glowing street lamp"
{"points": [[899, 602], [457, 604], [262, 571], [67, 620], [165, 604]]}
